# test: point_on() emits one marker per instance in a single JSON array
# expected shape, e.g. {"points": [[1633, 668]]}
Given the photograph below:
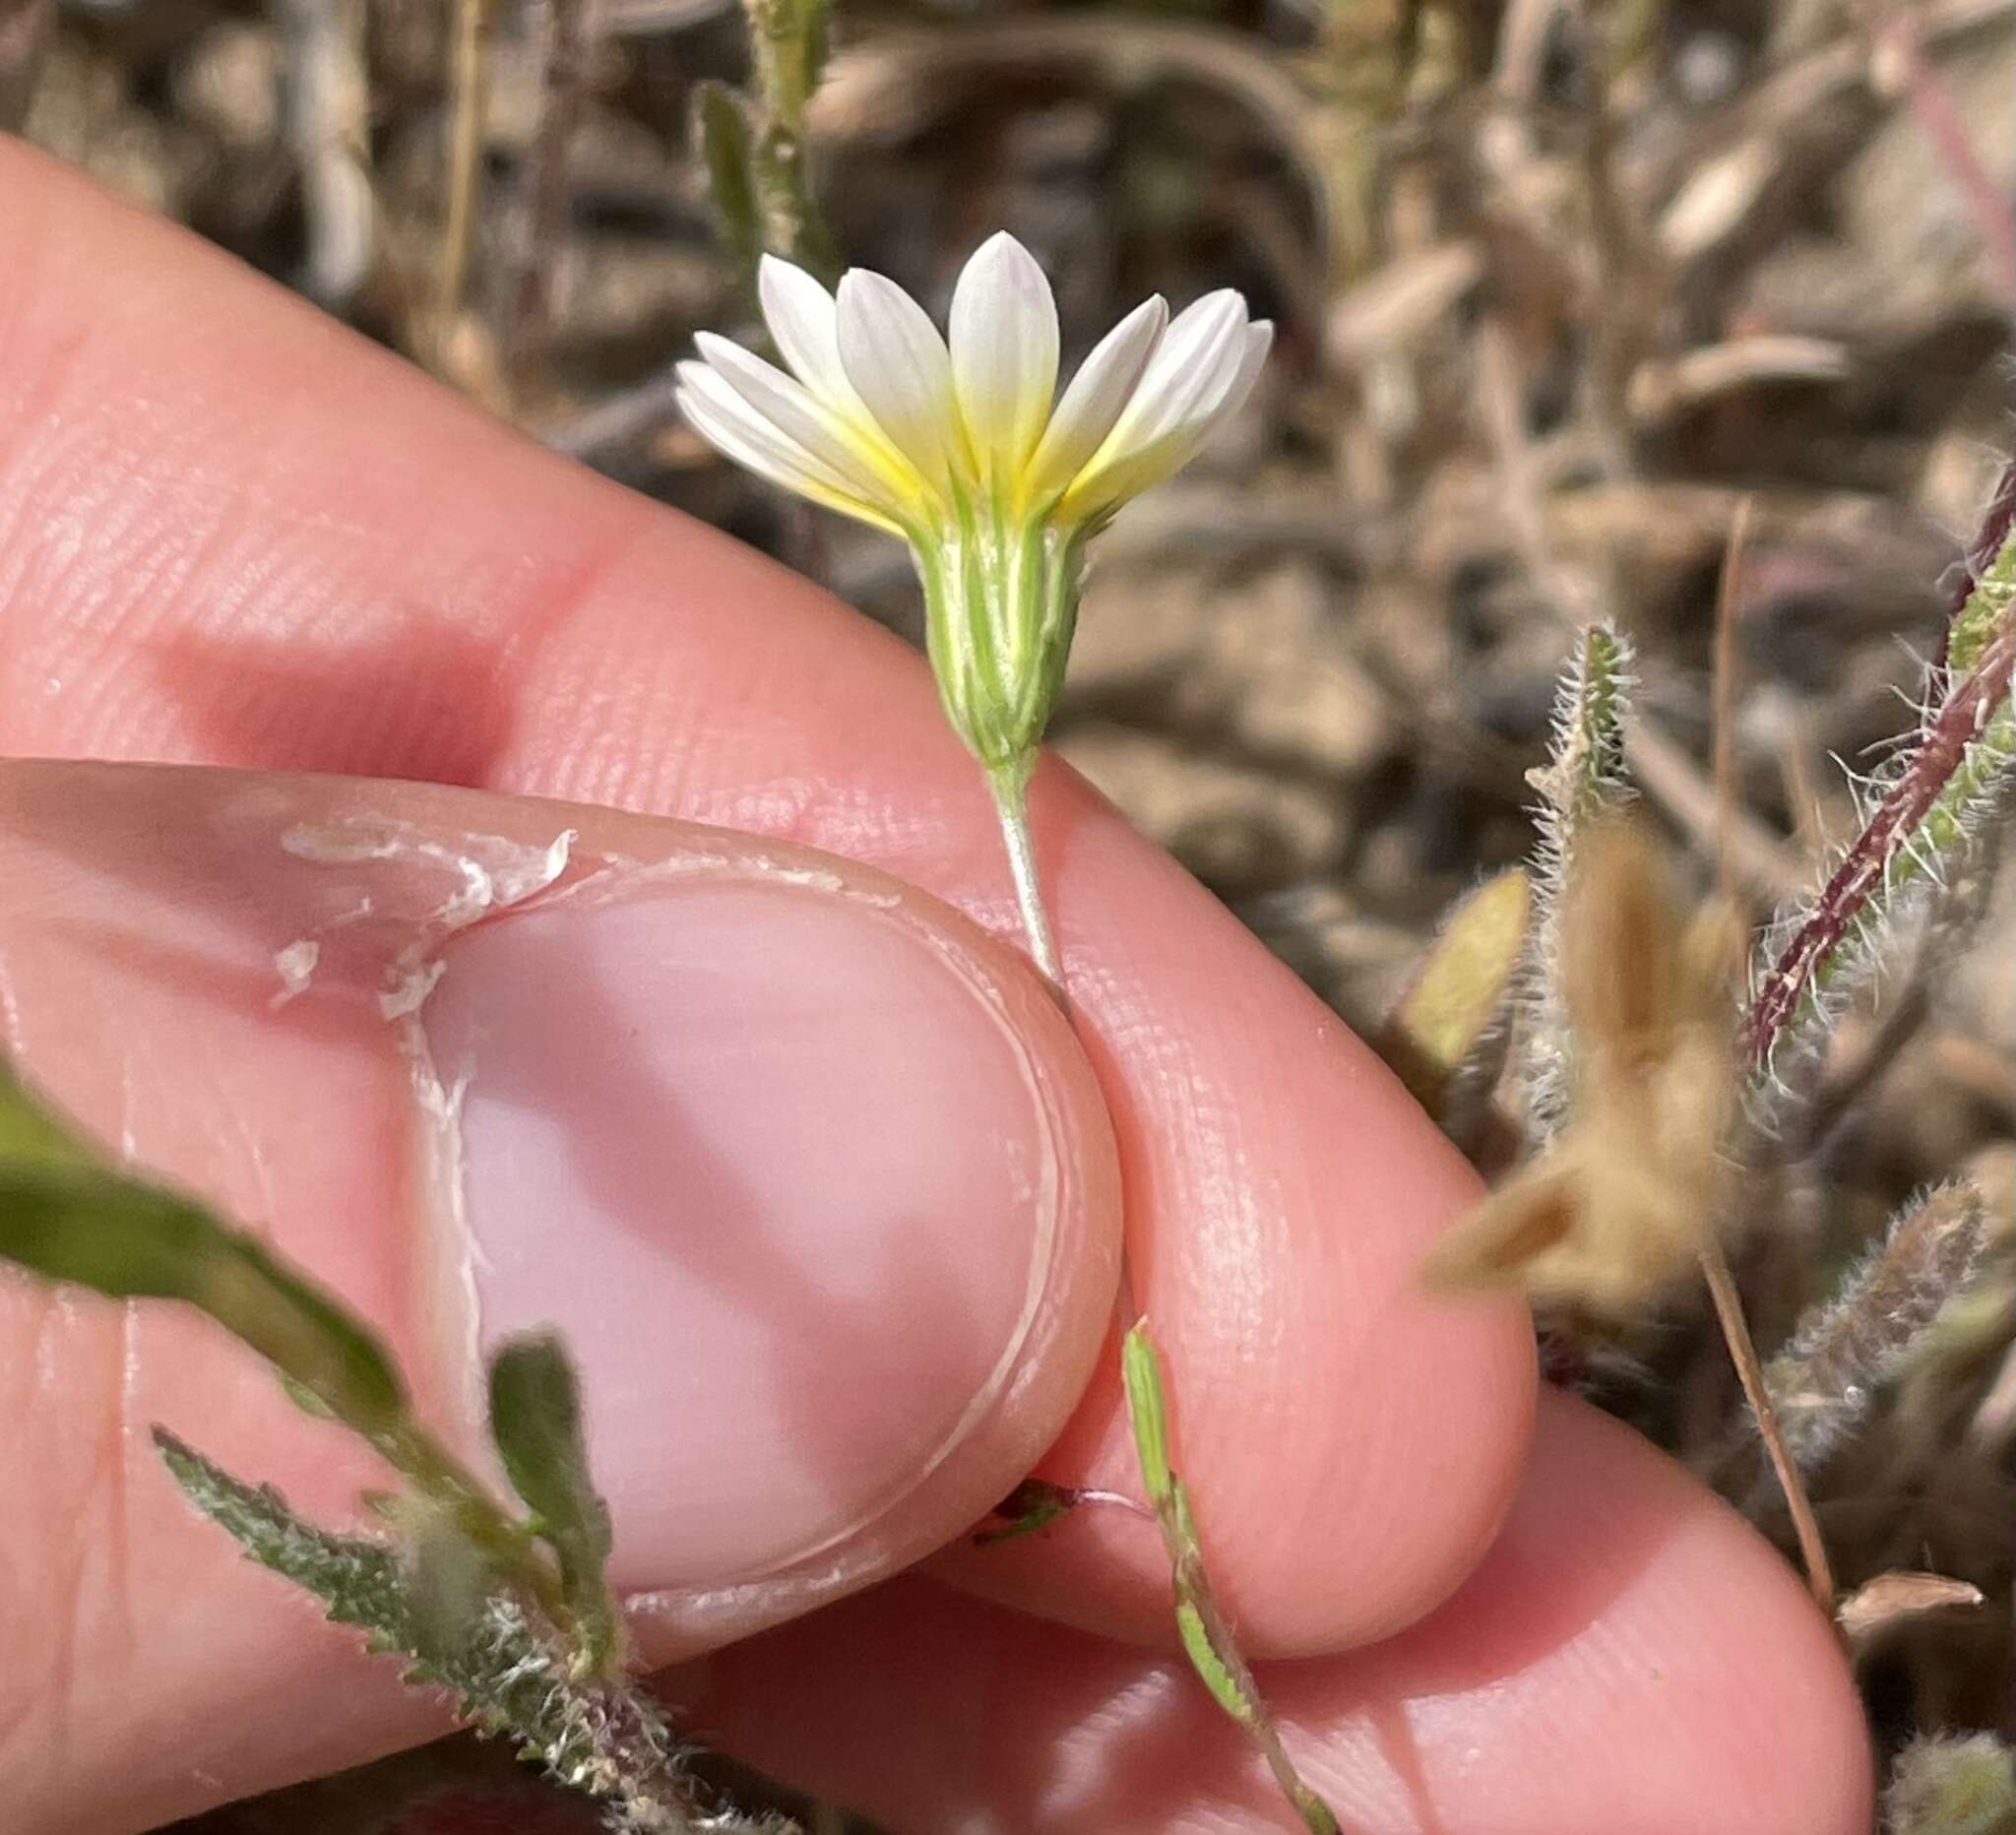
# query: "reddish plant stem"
{"points": [[1943, 745], [1955, 714]]}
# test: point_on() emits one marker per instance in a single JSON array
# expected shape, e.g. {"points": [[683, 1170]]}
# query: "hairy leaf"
{"points": [[536, 1421]]}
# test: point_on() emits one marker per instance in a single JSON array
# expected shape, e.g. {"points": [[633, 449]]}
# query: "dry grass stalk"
{"points": [[564, 33], [469, 85]]}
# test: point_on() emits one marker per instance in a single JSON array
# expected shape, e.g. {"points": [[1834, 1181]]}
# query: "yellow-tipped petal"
{"points": [[1093, 398], [899, 369]]}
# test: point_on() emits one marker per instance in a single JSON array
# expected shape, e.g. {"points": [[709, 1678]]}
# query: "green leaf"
{"points": [[357, 1580], [1141, 1369], [1205, 1660], [726, 146], [32, 1134], [536, 1421], [1583, 780], [68, 1214], [605, 1738], [1034, 1504], [1585, 771], [1985, 611]]}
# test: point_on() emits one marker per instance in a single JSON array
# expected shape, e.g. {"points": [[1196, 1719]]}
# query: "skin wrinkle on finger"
{"points": [[148, 906], [1282, 1188]]}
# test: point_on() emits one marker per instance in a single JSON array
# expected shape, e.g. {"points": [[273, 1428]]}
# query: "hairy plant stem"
{"points": [[1742, 1351], [788, 51], [1930, 808], [603, 1736], [1966, 742]]}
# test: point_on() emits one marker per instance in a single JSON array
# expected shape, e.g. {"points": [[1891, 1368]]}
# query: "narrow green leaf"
{"points": [[67, 1213], [788, 38], [32, 1134], [813, 22], [1141, 1369], [1206, 1635], [1205, 1660], [1585, 771], [726, 146], [357, 1580], [536, 1421]]}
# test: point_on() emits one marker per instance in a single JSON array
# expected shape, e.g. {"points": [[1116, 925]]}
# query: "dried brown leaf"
{"points": [[1622, 1202], [1890, 1601]]}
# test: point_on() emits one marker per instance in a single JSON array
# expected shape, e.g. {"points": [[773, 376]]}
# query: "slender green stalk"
{"points": [[1205, 1634], [1011, 803]]}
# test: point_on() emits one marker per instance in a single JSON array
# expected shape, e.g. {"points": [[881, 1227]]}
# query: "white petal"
{"points": [[1252, 360], [793, 410], [1193, 372], [1191, 366], [803, 321], [901, 369], [800, 315], [1095, 397], [1150, 465], [725, 421], [1004, 352]]}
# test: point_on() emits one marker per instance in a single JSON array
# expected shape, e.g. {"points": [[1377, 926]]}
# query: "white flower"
{"points": [[965, 449], [881, 418]]}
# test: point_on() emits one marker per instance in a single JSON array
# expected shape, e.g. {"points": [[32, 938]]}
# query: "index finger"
{"points": [[232, 533]]}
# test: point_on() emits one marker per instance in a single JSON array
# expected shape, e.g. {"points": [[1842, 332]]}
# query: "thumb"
{"points": [[810, 1173]]}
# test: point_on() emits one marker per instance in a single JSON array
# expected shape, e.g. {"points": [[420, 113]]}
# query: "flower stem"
{"points": [[1011, 803]]}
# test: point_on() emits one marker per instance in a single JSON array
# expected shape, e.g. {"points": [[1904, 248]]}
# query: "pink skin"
{"points": [[231, 535]]}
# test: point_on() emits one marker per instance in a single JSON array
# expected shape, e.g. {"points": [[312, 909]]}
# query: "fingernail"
{"points": [[785, 1172]]}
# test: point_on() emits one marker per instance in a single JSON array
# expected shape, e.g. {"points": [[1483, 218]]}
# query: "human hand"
{"points": [[818, 1182]]}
